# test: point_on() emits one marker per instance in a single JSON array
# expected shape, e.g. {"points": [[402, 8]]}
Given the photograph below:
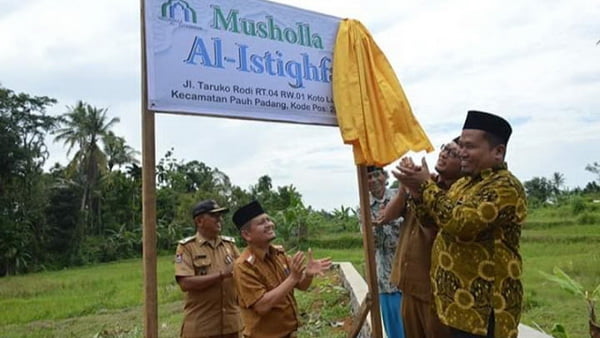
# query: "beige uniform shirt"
{"points": [[214, 310], [257, 272]]}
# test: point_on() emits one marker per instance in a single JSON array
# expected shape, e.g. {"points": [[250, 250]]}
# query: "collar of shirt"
{"points": [[202, 240], [260, 253], [489, 171], [387, 196]]}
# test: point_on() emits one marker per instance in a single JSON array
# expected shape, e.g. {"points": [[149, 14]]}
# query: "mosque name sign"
{"points": [[248, 59]]}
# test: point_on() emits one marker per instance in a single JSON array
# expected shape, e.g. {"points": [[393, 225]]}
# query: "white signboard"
{"points": [[248, 59]]}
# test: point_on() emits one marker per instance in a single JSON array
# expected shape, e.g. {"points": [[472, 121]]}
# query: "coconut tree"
{"points": [[117, 152], [82, 128]]}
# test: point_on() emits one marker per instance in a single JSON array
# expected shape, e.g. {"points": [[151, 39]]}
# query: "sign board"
{"points": [[248, 59]]}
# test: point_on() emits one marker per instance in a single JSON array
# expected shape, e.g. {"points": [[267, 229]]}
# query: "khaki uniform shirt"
{"points": [[476, 265], [412, 261], [214, 310], [257, 272], [410, 270]]}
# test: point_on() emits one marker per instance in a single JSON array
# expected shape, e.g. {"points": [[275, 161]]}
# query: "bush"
{"points": [[588, 218], [577, 205]]}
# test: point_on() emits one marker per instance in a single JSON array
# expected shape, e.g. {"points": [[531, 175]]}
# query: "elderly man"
{"points": [[411, 265], [203, 270], [476, 265], [386, 235], [266, 277]]}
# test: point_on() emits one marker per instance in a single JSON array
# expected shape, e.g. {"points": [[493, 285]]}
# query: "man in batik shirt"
{"points": [[476, 265], [386, 237]]}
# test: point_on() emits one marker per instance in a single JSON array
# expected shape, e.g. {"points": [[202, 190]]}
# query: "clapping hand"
{"points": [[297, 266], [317, 266], [412, 176]]}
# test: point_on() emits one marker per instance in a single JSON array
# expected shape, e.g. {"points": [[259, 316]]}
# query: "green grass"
{"points": [[106, 299]]}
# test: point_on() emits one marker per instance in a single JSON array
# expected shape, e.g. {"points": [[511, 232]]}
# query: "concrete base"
{"points": [[358, 289]]}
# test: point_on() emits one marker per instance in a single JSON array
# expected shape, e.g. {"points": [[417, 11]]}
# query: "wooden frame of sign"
{"points": [[371, 304]]}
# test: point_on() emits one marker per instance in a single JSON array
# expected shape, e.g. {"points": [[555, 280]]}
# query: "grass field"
{"points": [[105, 300]]}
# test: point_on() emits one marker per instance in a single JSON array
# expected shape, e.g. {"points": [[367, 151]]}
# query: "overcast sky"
{"points": [[534, 62]]}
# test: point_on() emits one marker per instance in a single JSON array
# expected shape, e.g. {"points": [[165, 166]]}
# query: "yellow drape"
{"points": [[372, 111]]}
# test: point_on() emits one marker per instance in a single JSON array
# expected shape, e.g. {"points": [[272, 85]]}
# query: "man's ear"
{"points": [[245, 234], [500, 152]]}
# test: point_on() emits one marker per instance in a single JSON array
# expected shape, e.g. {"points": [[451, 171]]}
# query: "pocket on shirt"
{"points": [[201, 266]]}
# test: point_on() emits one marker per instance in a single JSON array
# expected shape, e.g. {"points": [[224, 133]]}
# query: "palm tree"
{"points": [[82, 128], [117, 152], [558, 180]]}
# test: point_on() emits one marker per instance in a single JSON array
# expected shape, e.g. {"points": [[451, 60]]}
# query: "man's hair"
{"points": [[246, 226], [456, 140], [492, 139]]}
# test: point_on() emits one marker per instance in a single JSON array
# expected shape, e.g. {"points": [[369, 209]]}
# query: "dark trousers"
{"points": [[456, 333]]}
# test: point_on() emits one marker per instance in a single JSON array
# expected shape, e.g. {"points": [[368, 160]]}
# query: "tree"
{"points": [[23, 127], [558, 180], [118, 152], [594, 168], [539, 189], [83, 128]]}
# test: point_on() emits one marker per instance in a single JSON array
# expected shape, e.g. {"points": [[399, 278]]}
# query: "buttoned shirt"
{"points": [[476, 265], [412, 262], [256, 273], [386, 240], [214, 310]]}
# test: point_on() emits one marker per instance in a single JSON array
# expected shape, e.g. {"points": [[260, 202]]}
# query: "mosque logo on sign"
{"points": [[178, 11]]}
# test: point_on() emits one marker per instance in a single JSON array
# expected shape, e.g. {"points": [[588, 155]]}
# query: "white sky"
{"points": [[534, 62]]}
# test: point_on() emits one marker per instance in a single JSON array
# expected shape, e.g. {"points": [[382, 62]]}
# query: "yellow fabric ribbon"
{"points": [[372, 111]]}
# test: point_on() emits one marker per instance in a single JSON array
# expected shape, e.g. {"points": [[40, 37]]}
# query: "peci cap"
{"points": [[246, 213], [207, 206], [490, 123]]}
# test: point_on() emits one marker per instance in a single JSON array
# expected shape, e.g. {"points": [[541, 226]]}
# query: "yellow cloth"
{"points": [[372, 111]]}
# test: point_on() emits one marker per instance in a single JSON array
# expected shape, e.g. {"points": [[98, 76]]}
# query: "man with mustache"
{"points": [[412, 261], [386, 236], [476, 265], [203, 270], [265, 277]]}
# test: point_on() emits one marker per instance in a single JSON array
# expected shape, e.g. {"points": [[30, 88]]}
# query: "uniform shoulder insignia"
{"points": [[247, 257], [187, 240], [228, 239]]}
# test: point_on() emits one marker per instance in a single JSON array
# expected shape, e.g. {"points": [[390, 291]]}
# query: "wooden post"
{"points": [[148, 199], [360, 316], [369, 246]]}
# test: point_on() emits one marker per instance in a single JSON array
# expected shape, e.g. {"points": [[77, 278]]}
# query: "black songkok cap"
{"points": [[246, 213], [207, 206], [490, 123], [373, 168]]}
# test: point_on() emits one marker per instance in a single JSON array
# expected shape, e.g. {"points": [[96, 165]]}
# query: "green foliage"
{"points": [[559, 331], [594, 168], [577, 205], [23, 127], [588, 218], [105, 300]]}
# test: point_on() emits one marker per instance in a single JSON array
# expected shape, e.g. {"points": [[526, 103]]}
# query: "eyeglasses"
{"points": [[451, 152]]}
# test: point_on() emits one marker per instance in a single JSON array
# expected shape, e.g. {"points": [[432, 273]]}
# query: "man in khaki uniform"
{"points": [[203, 270], [266, 277], [412, 261]]}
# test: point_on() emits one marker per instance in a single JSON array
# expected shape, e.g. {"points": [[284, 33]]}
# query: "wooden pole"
{"points": [[369, 244], [148, 199], [360, 316]]}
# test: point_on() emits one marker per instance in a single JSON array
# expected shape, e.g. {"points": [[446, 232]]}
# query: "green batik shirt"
{"points": [[475, 260]]}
